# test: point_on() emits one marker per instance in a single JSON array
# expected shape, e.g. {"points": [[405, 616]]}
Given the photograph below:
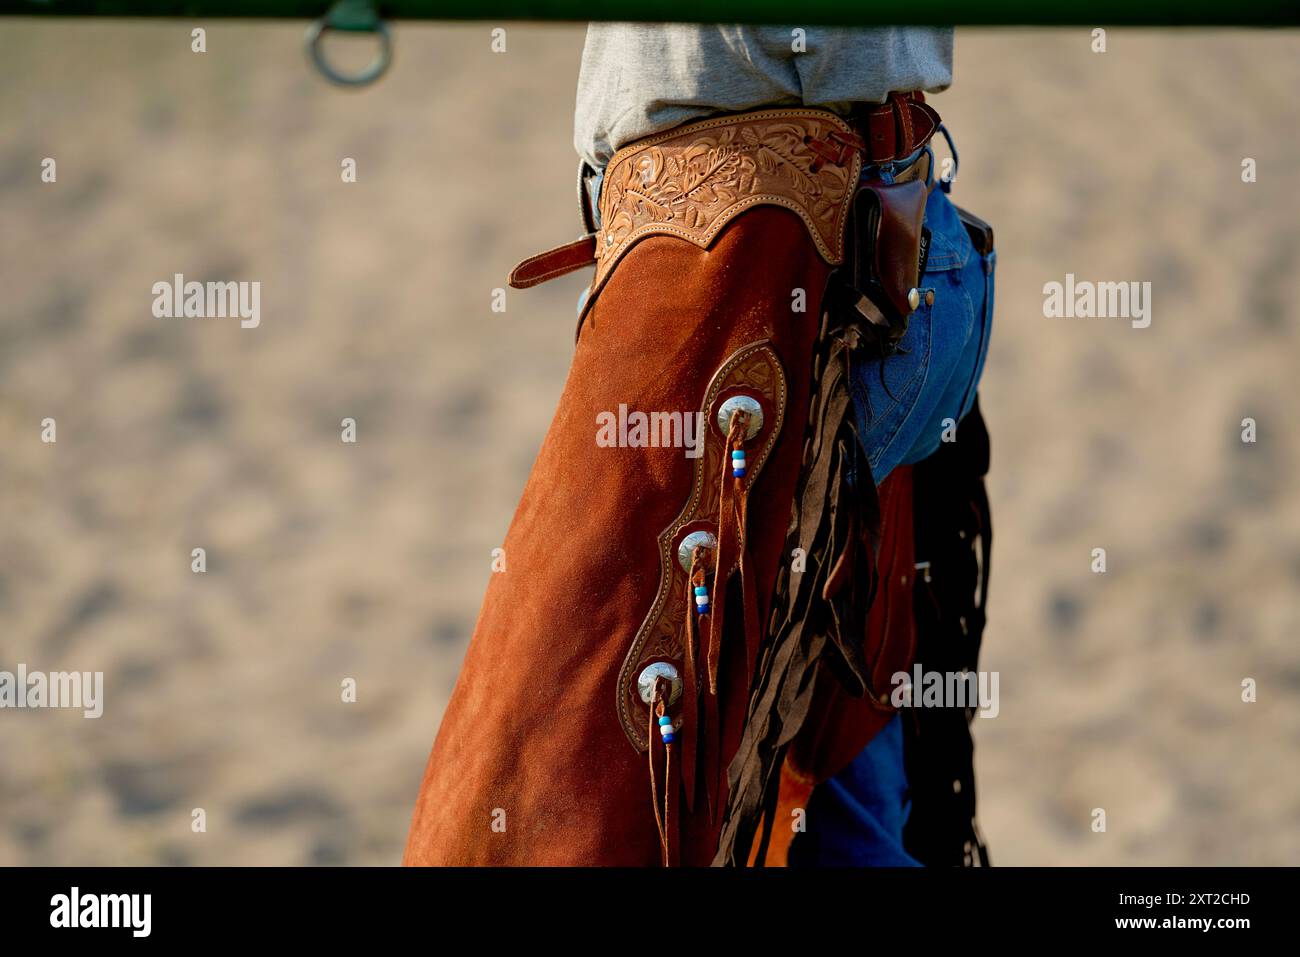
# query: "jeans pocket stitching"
{"points": [[886, 441]]}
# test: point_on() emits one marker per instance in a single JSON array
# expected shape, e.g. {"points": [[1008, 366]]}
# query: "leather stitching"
{"points": [[747, 357], [651, 183]]}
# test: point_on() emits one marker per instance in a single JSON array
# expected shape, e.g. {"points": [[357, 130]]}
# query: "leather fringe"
{"points": [[816, 616], [954, 533]]}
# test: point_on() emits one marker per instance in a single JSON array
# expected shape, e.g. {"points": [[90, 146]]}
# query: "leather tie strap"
{"points": [[555, 262], [837, 149], [697, 578], [664, 822]]}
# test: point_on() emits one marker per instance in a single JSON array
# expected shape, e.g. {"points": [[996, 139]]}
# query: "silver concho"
{"points": [[746, 403], [692, 542], [645, 682]]}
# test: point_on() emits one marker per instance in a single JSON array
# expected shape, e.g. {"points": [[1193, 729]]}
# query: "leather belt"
{"points": [[692, 180], [895, 129]]}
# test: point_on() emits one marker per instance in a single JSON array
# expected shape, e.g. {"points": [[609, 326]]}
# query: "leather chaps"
{"points": [[698, 548]]}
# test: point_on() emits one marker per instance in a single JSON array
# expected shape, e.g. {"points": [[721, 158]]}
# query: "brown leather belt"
{"points": [[691, 181], [896, 129]]}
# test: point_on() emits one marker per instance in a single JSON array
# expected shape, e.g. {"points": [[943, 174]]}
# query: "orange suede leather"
{"points": [[531, 739]]}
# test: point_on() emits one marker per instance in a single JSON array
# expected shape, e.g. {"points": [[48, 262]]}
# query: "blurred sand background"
{"points": [[327, 561]]}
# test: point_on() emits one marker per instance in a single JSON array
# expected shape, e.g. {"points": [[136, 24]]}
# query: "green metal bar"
{"points": [[1109, 13]]}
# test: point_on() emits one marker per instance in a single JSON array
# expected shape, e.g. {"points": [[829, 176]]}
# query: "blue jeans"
{"points": [[856, 818], [903, 406]]}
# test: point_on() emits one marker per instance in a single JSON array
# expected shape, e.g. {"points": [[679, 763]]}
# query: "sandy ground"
{"points": [[329, 561]]}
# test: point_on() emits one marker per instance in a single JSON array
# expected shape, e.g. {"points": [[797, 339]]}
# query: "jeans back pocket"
{"points": [[896, 400]]}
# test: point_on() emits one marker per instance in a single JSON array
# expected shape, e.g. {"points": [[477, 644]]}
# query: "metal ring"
{"points": [[383, 57], [747, 404]]}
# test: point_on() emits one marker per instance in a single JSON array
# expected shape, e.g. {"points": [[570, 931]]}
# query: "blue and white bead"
{"points": [[738, 463], [666, 730], [701, 600]]}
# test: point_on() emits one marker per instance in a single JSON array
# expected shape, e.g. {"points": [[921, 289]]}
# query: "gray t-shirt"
{"points": [[638, 79]]}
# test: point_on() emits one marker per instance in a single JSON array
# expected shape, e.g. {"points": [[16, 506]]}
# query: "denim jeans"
{"points": [[905, 403], [856, 818]]}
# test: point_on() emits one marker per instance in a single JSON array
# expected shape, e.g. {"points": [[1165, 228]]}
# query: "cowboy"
{"points": [[690, 653]]}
